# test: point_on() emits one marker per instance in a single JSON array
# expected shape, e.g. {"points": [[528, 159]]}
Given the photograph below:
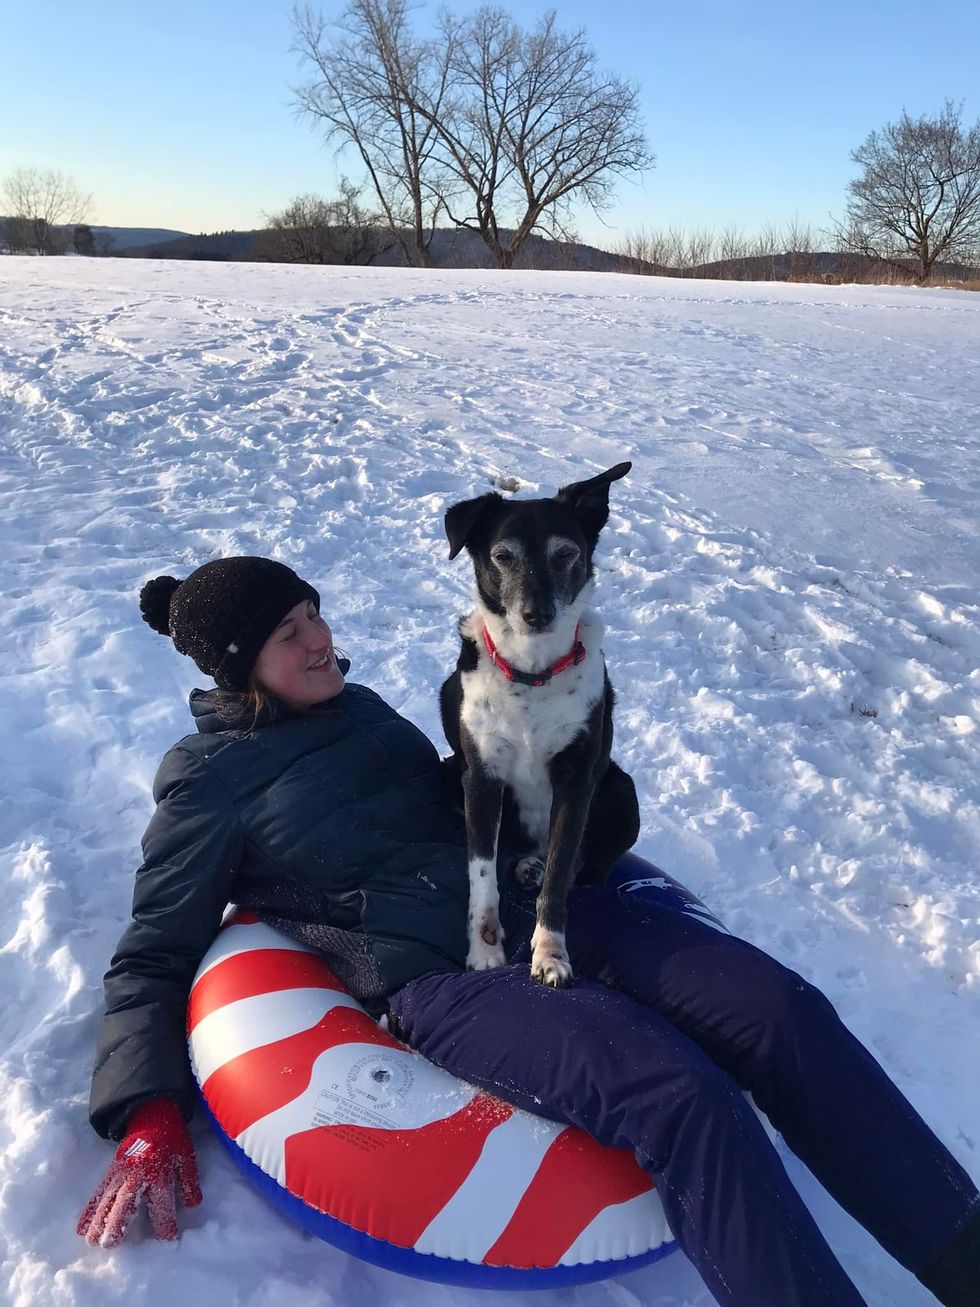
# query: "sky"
{"points": [[181, 115]]}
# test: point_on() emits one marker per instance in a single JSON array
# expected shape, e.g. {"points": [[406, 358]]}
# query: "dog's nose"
{"points": [[538, 617]]}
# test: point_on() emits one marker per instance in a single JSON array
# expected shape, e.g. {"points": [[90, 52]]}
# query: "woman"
{"points": [[316, 804]]}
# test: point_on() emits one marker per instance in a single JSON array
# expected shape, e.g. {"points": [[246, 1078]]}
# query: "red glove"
{"points": [[156, 1152]]}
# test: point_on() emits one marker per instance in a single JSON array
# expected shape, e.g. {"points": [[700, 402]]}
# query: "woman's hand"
{"points": [[155, 1158]]}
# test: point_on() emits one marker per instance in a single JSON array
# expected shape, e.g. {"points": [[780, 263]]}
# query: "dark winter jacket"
{"points": [[338, 818]]}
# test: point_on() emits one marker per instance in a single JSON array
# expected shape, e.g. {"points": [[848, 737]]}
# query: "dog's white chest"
{"points": [[518, 728]]}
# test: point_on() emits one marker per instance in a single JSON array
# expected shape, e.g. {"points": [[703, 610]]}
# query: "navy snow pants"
{"points": [[668, 1021]]}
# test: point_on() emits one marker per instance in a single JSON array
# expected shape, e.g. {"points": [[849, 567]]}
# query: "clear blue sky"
{"points": [[179, 115]]}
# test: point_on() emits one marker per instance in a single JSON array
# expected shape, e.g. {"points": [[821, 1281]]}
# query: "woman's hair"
{"points": [[257, 698], [254, 698]]}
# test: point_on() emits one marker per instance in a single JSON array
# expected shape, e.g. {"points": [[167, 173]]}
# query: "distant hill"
{"points": [[127, 238], [123, 239], [219, 246], [452, 248]]}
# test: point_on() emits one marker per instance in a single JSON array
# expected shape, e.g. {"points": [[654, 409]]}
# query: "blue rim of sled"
{"points": [[425, 1266], [631, 875], [634, 876]]}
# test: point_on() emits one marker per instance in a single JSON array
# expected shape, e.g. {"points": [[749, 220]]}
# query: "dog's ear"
{"points": [[461, 518], [589, 500]]}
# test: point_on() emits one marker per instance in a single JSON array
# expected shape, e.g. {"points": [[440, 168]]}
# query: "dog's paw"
{"points": [[550, 969], [484, 957], [529, 872], [550, 963], [486, 943]]}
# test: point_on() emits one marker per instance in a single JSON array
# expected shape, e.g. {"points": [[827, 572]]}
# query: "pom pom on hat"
{"points": [[155, 600], [223, 613]]}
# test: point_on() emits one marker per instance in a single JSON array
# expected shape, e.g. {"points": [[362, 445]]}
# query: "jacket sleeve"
{"points": [[191, 850]]}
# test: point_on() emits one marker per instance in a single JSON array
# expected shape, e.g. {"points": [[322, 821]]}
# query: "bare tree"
{"points": [[636, 248], [502, 129], [300, 233], [530, 127], [675, 250], [699, 251], [83, 239], [798, 243], [313, 230], [768, 250], [732, 249], [918, 194], [44, 205], [359, 233], [370, 74]]}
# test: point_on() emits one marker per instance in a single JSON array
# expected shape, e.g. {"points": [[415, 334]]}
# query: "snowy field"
{"points": [[789, 581]]}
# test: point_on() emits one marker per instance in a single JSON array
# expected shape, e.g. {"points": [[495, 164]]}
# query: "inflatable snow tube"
{"points": [[636, 878], [372, 1148]]}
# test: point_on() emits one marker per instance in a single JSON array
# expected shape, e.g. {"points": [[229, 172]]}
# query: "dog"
{"points": [[528, 713]]}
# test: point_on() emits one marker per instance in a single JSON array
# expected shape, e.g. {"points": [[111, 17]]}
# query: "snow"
{"points": [[788, 581]]}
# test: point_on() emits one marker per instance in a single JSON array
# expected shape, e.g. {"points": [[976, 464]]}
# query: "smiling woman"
{"points": [[297, 663]]}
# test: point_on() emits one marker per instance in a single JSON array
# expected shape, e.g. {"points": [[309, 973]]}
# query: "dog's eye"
{"points": [[566, 554], [502, 556]]}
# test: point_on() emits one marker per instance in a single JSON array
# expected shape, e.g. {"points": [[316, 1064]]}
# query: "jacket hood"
{"points": [[225, 710]]}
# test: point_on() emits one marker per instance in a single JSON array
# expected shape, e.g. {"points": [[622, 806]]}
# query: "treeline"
{"points": [[777, 252], [312, 229], [771, 254], [47, 215], [38, 236]]}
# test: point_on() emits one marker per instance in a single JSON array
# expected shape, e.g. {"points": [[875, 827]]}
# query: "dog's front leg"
{"points": [[571, 794], [483, 797]]}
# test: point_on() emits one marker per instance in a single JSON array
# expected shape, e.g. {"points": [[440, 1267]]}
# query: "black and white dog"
{"points": [[528, 713]]}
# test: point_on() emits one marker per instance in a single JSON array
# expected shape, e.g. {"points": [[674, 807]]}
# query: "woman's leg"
{"points": [[592, 1057], [781, 1039]]}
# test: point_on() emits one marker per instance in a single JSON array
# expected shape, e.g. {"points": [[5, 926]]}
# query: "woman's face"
{"points": [[297, 663]]}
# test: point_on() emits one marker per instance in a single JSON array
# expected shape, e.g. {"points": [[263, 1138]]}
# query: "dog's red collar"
{"points": [[572, 659]]}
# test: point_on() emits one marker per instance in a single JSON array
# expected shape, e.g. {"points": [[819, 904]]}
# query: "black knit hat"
{"points": [[223, 613]]}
